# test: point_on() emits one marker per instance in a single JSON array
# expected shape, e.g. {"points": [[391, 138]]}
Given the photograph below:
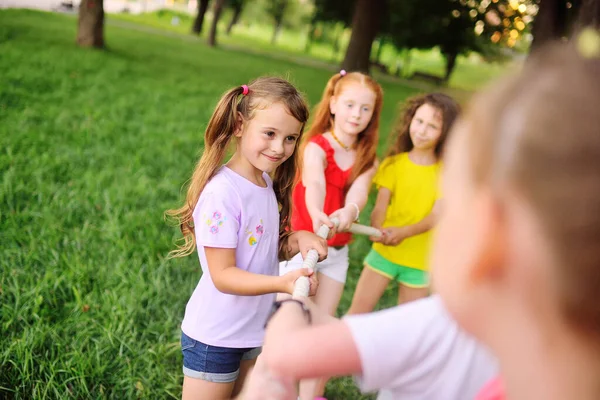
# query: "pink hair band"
{"points": [[245, 89], [343, 72]]}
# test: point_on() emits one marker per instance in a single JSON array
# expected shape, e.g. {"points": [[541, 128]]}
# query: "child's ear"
{"points": [[332, 103], [239, 125]]}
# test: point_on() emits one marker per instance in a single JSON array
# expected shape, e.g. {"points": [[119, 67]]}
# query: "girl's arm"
{"points": [[356, 198], [302, 242], [230, 279], [296, 350], [395, 234], [384, 196], [313, 178]]}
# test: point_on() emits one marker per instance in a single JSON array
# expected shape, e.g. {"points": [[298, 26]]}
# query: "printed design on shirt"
{"points": [[216, 220], [258, 231]]}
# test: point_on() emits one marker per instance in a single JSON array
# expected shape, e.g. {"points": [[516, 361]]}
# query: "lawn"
{"points": [[94, 146]]}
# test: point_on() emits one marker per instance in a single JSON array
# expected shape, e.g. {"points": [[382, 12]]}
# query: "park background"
{"points": [[103, 106]]}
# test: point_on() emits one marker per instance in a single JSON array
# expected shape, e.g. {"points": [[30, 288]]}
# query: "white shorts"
{"points": [[335, 266]]}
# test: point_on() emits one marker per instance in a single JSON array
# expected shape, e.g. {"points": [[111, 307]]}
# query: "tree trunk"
{"points": [[380, 44], [588, 15], [199, 21], [337, 33], [406, 63], [237, 11], [310, 37], [365, 25], [217, 11], [276, 31], [550, 22], [450, 64], [90, 31]]}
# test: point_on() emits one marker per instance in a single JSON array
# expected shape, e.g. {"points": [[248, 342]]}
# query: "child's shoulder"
{"points": [[320, 140], [393, 160], [222, 183], [229, 181]]}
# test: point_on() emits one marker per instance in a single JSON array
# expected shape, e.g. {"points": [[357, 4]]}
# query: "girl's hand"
{"points": [[346, 216], [379, 239], [291, 277], [320, 218], [394, 235], [263, 385], [309, 241]]}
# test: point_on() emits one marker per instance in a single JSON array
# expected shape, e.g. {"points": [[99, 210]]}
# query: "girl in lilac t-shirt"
{"points": [[237, 217]]}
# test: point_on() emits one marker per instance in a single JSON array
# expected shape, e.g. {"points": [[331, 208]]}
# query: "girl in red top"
{"points": [[339, 162]]}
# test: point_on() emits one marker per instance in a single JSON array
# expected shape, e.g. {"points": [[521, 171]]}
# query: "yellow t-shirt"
{"points": [[414, 192]]}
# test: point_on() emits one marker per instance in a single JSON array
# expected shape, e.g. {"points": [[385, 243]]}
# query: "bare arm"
{"points": [[395, 234], [426, 223], [356, 199], [313, 178], [301, 242], [230, 279], [381, 205], [296, 350], [359, 191]]}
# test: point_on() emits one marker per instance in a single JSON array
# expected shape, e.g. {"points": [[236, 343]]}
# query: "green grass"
{"points": [[94, 146], [471, 71]]}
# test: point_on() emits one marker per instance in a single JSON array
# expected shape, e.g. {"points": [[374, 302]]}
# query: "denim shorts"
{"points": [[212, 363]]}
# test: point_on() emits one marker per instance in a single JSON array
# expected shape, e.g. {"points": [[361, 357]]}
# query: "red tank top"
{"points": [[335, 194]]}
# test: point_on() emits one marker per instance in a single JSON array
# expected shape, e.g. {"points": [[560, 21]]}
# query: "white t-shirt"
{"points": [[233, 212], [417, 351]]}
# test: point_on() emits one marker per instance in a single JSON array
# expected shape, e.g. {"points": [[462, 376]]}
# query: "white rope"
{"points": [[302, 285]]}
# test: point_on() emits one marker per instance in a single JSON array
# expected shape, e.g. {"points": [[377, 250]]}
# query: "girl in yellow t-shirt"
{"points": [[407, 203]]}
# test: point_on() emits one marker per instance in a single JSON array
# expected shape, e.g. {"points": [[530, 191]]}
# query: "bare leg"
{"points": [[369, 289], [245, 367], [198, 389], [407, 293], [328, 294], [327, 299]]}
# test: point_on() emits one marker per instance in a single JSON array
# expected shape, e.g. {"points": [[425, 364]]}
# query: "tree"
{"points": [[336, 12], [557, 19], [277, 9], [90, 29], [455, 26], [217, 11], [589, 14], [237, 6], [459, 39], [333, 11], [366, 21], [199, 20], [551, 21]]}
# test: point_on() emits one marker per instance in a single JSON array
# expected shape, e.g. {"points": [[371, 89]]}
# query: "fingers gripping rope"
{"points": [[302, 285]]}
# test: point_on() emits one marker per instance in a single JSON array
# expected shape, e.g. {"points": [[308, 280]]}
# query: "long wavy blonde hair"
{"points": [[219, 133]]}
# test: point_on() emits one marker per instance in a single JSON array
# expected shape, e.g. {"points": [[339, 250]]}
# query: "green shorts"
{"points": [[407, 276]]}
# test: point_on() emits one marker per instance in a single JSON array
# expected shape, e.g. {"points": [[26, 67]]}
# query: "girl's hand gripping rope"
{"points": [[302, 286]]}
